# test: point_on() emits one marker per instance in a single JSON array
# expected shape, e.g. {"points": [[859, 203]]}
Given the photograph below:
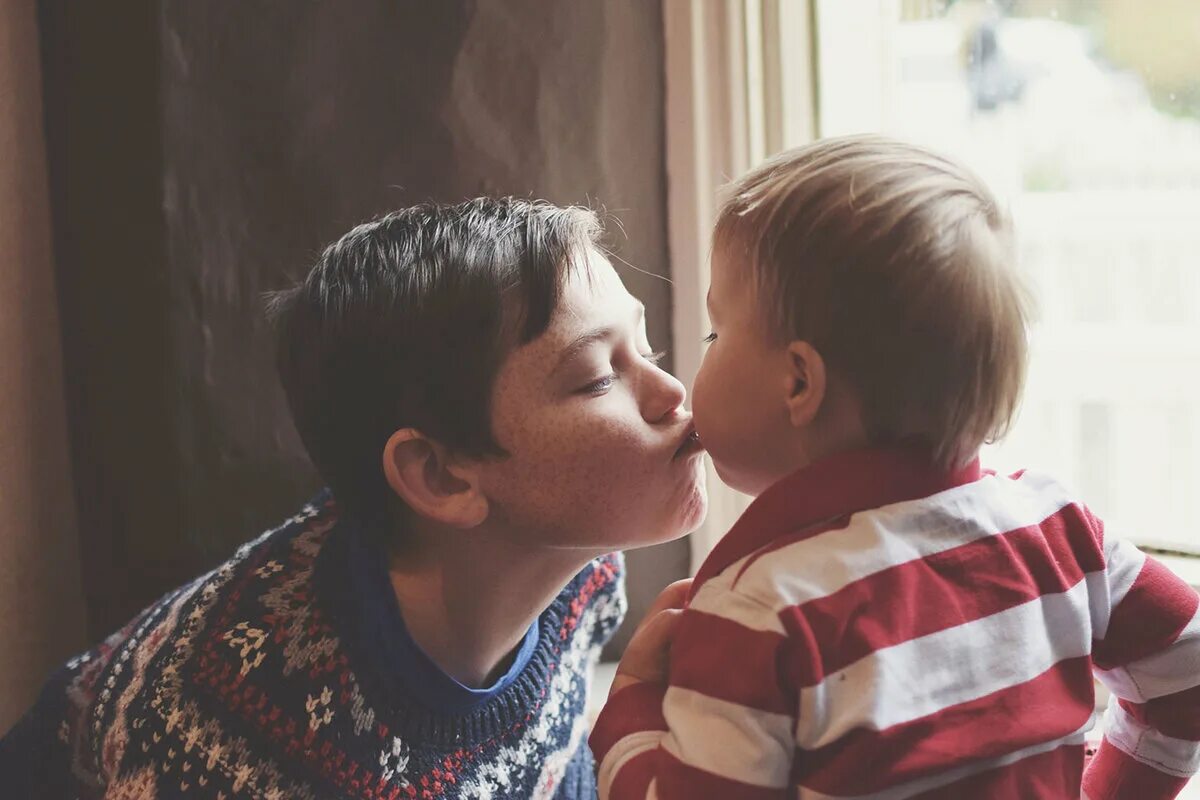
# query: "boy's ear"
{"points": [[806, 383], [431, 481]]}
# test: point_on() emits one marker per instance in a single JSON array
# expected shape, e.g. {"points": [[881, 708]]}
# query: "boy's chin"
{"points": [[688, 507], [692, 513], [697, 517]]}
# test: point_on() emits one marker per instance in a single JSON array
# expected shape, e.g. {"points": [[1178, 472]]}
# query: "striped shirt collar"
{"points": [[836, 486]]}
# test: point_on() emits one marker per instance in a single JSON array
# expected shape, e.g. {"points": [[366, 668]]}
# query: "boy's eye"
{"points": [[599, 386], [602, 385], [712, 337]]}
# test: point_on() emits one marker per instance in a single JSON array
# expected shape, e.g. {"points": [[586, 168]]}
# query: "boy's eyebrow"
{"points": [[591, 337]]}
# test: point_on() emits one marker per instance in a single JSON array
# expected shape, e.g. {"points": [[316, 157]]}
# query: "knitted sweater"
{"points": [[262, 679]]}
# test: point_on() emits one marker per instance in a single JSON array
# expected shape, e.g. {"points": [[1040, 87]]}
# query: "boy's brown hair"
{"points": [[404, 322], [897, 265]]}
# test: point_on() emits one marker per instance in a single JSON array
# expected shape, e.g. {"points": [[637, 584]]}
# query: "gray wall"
{"points": [[202, 153]]}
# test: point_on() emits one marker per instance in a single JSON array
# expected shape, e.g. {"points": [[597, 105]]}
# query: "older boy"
{"points": [[886, 620], [475, 385]]}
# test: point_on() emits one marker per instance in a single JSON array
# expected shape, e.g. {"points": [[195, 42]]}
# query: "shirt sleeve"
{"points": [[723, 727], [1147, 651]]}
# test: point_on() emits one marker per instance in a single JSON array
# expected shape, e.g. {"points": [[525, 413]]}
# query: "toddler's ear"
{"points": [[431, 482], [806, 383]]}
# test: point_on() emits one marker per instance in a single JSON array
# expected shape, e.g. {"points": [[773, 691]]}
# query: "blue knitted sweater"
{"points": [[261, 680]]}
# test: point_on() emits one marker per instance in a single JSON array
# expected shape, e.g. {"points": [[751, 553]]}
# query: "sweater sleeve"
{"points": [[1148, 654], [48, 753], [724, 725], [54, 750], [32, 758]]}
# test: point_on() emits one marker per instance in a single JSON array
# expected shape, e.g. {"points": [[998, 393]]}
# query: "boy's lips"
{"points": [[690, 444]]}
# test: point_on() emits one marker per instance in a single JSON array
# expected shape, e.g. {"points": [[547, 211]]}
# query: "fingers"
{"points": [[647, 657], [660, 628], [654, 634], [674, 596]]}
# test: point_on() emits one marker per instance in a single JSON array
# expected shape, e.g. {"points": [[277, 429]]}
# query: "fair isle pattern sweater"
{"points": [[873, 627], [255, 681]]}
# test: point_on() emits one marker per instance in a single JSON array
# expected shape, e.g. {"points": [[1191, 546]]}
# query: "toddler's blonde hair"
{"points": [[897, 265]]}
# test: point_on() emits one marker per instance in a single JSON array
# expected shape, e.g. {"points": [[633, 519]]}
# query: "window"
{"points": [[1084, 117]]}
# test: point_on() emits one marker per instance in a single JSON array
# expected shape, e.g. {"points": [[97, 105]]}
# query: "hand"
{"points": [[647, 656]]}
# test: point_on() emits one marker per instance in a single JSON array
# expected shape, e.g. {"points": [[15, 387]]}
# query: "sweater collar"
{"points": [[833, 487], [404, 660]]}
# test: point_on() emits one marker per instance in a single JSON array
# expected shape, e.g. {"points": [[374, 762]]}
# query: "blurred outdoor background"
{"points": [[1084, 117]]}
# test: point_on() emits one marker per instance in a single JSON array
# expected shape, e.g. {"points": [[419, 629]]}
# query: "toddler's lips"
{"points": [[690, 445]]}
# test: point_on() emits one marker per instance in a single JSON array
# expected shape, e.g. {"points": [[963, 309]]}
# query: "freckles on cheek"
{"points": [[590, 461]]}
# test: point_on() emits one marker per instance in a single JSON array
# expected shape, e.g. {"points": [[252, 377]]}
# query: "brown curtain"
{"points": [[41, 605], [200, 154]]}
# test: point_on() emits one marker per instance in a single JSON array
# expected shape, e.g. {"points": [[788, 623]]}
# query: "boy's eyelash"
{"points": [[602, 384], [712, 337]]}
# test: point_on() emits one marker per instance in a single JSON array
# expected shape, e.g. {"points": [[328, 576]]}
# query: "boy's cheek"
{"points": [[603, 457]]}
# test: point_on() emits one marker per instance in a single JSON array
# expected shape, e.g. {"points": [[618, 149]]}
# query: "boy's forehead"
{"points": [[592, 298], [592, 294]]}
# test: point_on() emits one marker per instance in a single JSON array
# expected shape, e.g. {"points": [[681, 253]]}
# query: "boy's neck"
{"points": [[468, 598]]}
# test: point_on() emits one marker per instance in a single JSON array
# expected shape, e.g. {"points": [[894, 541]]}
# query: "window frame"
{"points": [[730, 64], [742, 82]]}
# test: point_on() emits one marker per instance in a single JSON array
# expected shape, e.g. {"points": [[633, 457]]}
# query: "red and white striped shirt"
{"points": [[873, 627]]}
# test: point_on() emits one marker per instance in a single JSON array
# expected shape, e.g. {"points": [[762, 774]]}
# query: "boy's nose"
{"points": [[665, 397]]}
